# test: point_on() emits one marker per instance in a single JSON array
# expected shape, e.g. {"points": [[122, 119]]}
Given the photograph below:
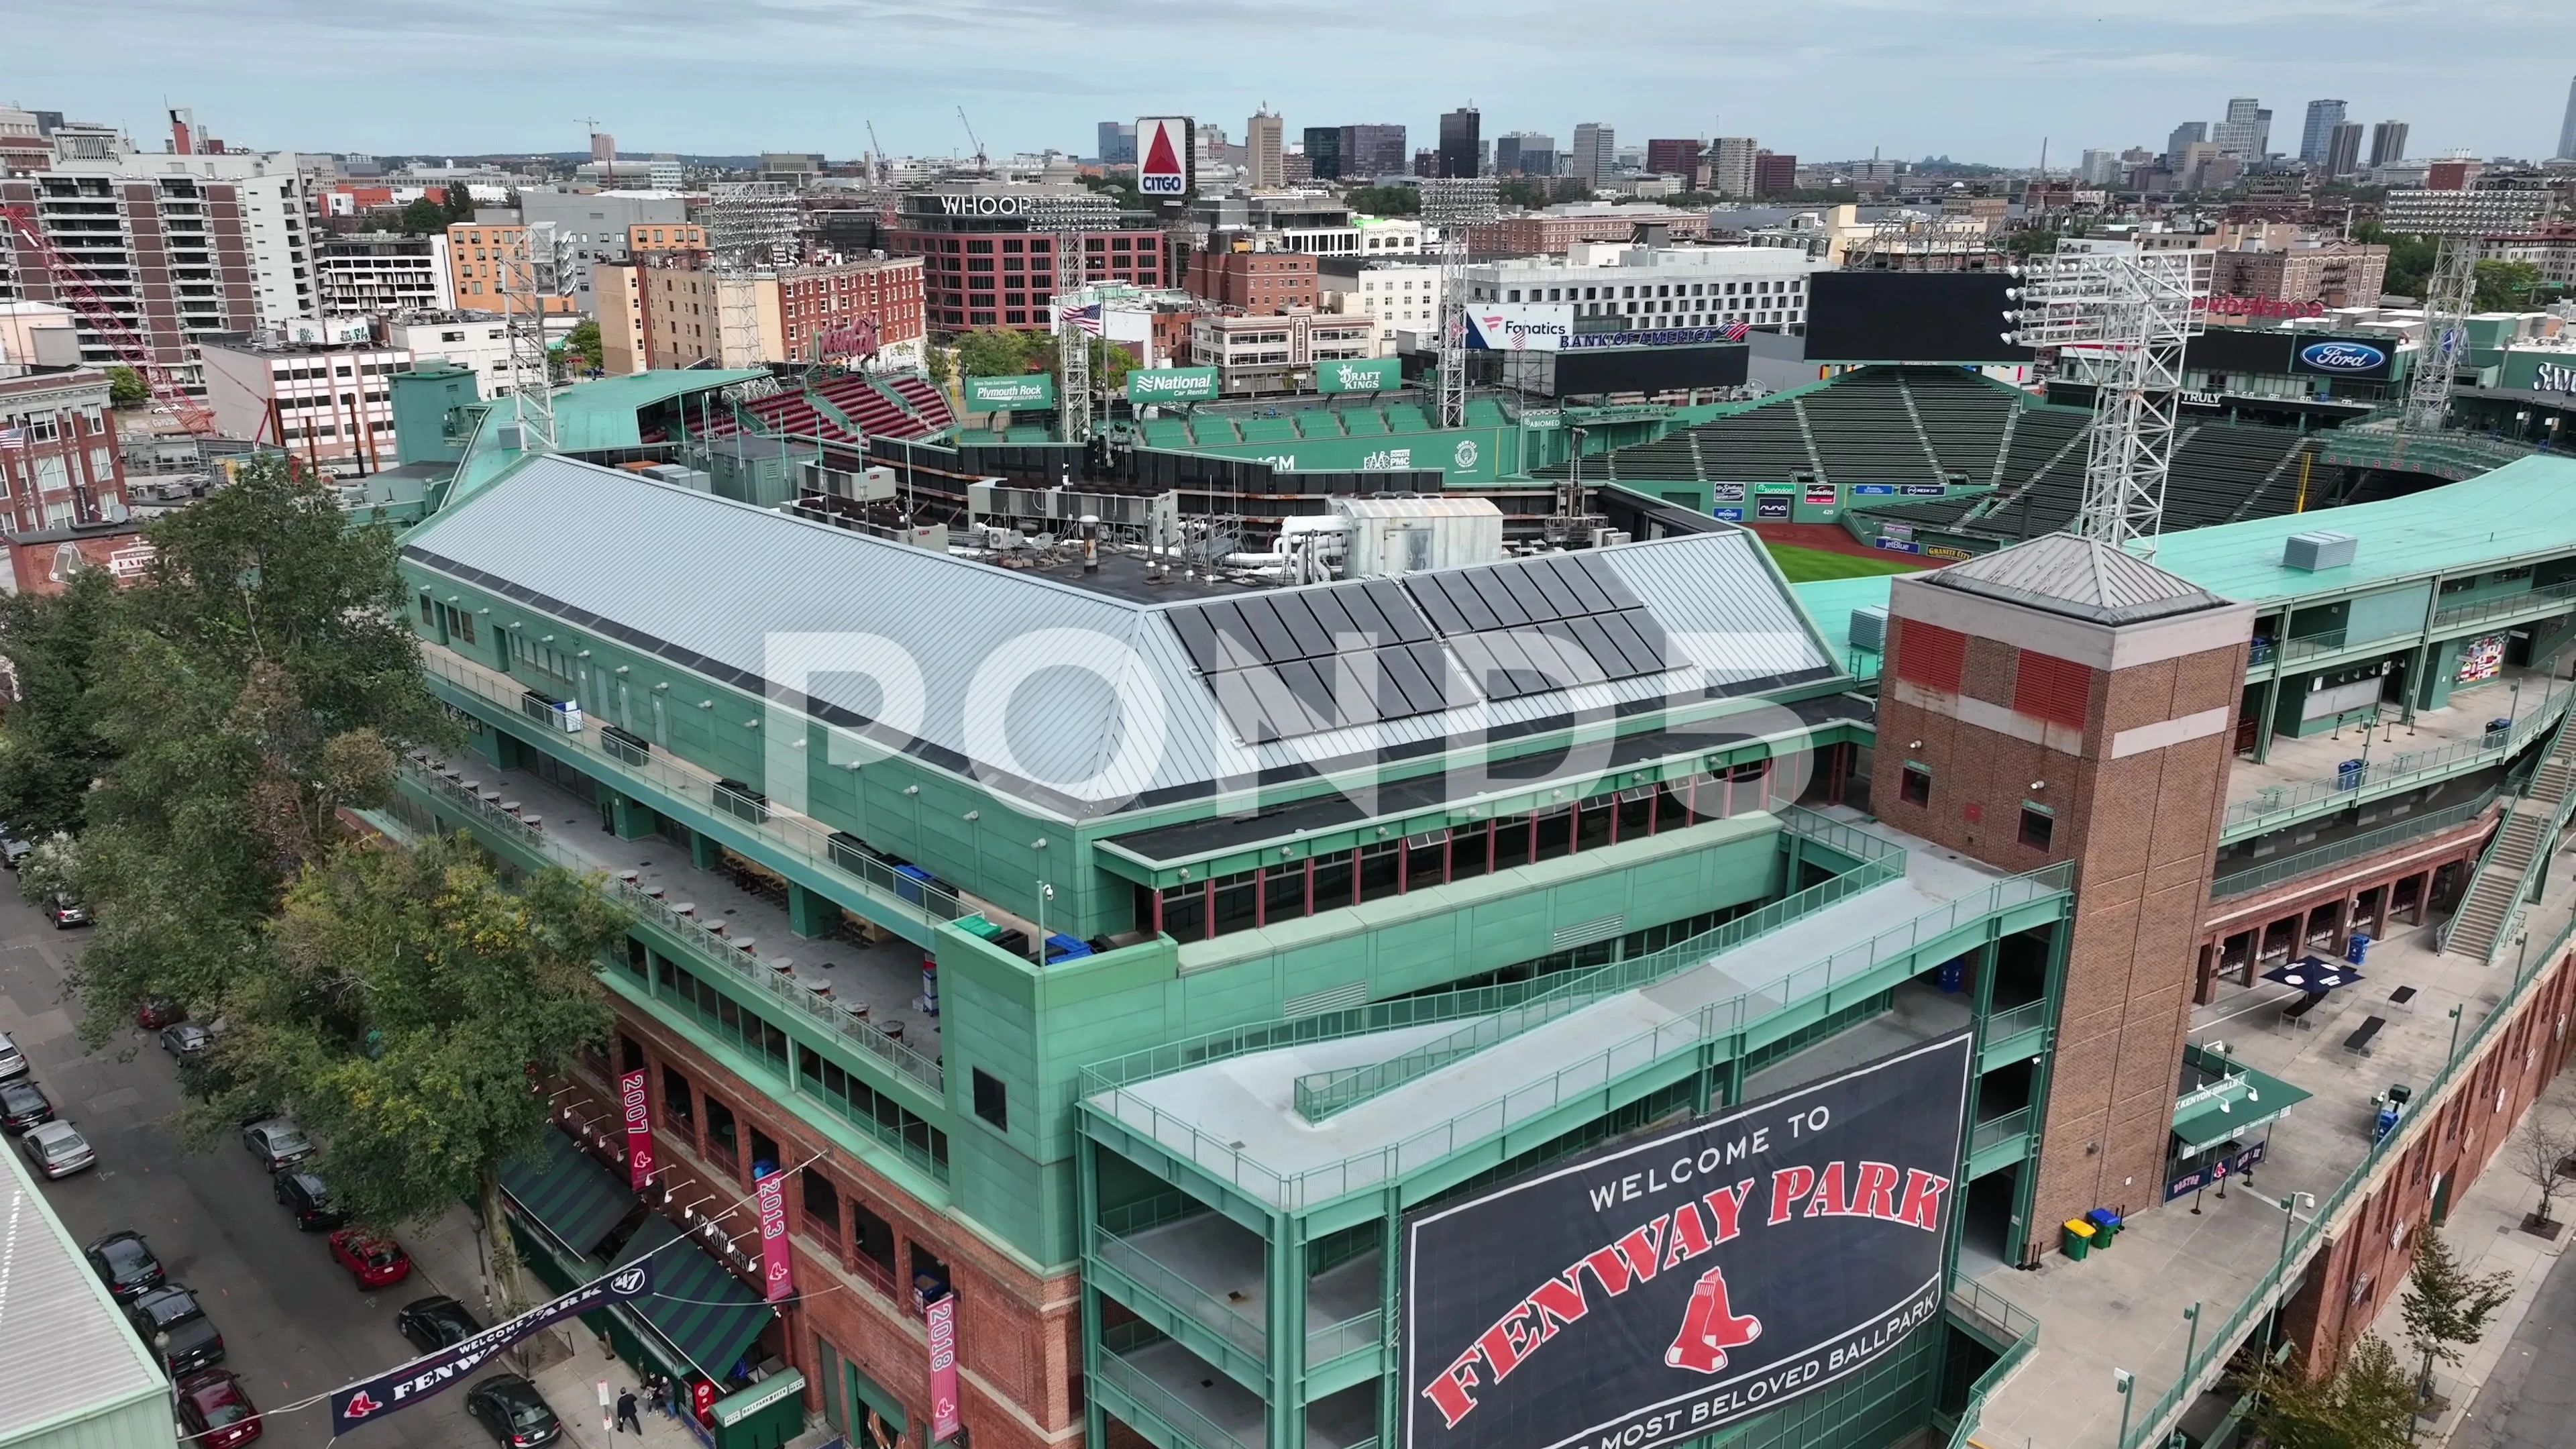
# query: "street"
{"points": [[294, 1325], [2529, 1400]]}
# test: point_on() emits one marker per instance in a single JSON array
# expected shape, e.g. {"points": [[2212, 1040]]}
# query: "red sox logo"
{"points": [[1710, 1327], [361, 1406]]}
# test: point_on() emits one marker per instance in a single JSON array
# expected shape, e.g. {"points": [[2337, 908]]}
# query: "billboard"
{"points": [[1163, 147], [2367, 359], [1909, 317], [990, 394], [1655, 1290], [1648, 369], [1383, 374], [1171, 384], [2273, 351], [1519, 326]]}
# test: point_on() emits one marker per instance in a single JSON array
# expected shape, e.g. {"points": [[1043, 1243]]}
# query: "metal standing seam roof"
{"points": [[761, 598], [601, 413], [55, 1312], [2081, 577]]}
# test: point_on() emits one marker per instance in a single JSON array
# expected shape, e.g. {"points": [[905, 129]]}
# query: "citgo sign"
{"points": [[1171, 384], [1163, 155]]}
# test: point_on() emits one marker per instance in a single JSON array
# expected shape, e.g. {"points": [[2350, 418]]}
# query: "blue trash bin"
{"points": [[2348, 775]]}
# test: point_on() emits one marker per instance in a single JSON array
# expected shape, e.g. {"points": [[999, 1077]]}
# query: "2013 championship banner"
{"points": [[1656, 1290]]}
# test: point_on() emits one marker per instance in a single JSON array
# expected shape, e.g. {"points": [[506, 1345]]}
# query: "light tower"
{"points": [[2457, 220], [526, 274], [1454, 204], [1073, 345], [751, 231], [2133, 309]]}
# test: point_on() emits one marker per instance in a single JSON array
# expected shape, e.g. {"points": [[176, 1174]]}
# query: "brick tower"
{"points": [[2061, 700]]}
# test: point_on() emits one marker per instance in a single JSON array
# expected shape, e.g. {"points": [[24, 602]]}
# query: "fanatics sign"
{"points": [[1654, 1291]]}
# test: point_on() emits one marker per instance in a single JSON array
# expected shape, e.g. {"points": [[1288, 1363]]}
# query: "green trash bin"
{"points": [[2106, 1227], [2079, 1239]]}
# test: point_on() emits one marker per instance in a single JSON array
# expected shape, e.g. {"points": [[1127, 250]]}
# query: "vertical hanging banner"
{"points": [[942, 1316], [776, 1270], [638, 1107]]}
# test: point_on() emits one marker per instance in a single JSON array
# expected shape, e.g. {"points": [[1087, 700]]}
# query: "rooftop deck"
{"points": [[2300, 778]]}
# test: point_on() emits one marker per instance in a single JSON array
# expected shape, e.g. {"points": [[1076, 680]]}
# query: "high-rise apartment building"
{"points": [[2318, 134], [1373, 151], [1324, 152], [1265, 146], [2343, 149], [1525, 153], [2243, 133], [2387, 142], [2567, 125], [2100, 168], [1596, 148], [376, 273], [1117, 143], [1459, 151], [2179, 144], [1730, 165], [1676, 157], [1775, 173]]}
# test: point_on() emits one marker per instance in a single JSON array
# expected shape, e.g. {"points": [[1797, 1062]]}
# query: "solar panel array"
{"points": [[1304, 661], [1540, 624]]}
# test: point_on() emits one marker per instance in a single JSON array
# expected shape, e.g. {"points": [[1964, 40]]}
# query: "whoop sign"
{"points": [[1163, 155], [371, 1399], [1653, 1292], [777, 1265], [638, 1107]]}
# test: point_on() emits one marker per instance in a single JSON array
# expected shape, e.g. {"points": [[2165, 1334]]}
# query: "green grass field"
{"points": [[1805, 565]]}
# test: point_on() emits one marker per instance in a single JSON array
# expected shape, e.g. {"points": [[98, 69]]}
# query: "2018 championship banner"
{"points": [[1656, 1290]]}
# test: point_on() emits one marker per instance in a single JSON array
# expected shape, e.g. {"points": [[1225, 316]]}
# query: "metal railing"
{"points": [[2216, 1348], [1585, 1078], [2013, 1021], [1167, 1406], [797, 835], [1972, 1299], [2454, 455], [1203, 1308], [708, 946], [2525, 885], [2548, 596], [1996, 1131], [2351, 847], [2406, 767], [1366, 1330], [1321, 1094]]}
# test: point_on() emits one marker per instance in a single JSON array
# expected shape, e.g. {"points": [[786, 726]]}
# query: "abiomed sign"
{"points": [[1653, 1292]]}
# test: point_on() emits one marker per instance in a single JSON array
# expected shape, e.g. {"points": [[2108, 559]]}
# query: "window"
{"points": [[822, 1207], [675, 1097], [2037, 826], [764, 1154], [889, 1121], [722, 1144], [1914, 787], [427, 611], [630, 1054], [992, 1099], [929, 1275]]}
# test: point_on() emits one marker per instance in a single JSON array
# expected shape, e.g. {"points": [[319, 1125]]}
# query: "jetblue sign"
{"points": [[2352, 357]]}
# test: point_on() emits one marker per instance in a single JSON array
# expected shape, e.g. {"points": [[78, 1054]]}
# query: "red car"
{"points": [[215, 1412], [373, 1261], [157, 1012]]}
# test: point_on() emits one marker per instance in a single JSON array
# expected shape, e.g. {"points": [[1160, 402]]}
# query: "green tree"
{"points": [[126, 387], [404, 1005], [1384, 200], [938, 361], [582, 346], [2410, 258], [993, 352], [2508, 287], [1527, 192], [2366, 1404], [51, 749], [423, 216], [2445, 1309], [1122, 186], [456, 202], [1571, 188]]}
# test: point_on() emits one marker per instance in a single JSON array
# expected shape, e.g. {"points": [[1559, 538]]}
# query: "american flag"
{"points": [[13, 437], [1733, 331], [1085, 318]]}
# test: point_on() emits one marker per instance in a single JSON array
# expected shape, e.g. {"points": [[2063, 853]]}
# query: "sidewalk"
{"points": [[446, 1259], [2485, 1231]]}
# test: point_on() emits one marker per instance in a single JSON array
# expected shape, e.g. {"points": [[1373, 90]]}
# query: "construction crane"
{"points": [[876, 156], [76, 286], [981, 163]]}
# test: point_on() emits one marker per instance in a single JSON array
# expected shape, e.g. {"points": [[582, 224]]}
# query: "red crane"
{"points": [[81, 290]]}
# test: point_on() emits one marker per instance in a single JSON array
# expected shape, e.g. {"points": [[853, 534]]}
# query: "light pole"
{"points": [[2289, 1205], [1046, 893], [2191, 1339], [2122, 1381], [2455, 1037]]}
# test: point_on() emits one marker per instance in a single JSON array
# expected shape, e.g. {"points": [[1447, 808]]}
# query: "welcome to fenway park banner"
{"points": [[371, 1399], [1655, 1290]]}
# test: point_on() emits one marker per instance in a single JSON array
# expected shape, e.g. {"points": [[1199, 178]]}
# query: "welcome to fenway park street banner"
{"points": [[371, 1399], [1655, 1290]]}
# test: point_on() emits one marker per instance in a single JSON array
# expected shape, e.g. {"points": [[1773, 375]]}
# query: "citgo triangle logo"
{"points": [[1164, 170], [361, 1406]]}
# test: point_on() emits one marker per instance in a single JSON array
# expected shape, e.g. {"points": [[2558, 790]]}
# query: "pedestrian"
{"points": [[657, 1391], [626, 1416]]}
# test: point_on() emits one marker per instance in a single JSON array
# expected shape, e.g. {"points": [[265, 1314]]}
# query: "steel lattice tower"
{"points": [[1455, 204]]}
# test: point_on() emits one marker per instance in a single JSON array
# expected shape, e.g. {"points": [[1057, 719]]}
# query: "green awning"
{"points": [[570, 1194], [2230, 1101], [697, 1305]]}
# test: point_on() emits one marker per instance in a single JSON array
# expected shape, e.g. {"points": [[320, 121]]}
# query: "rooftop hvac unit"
{"points": [[2312, 552], [1609, 537], [1869, 628]]}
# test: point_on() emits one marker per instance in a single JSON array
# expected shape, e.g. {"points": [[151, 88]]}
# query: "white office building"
{"points": [[1656, 288], [377, 273], [1402, 297], [476, 341]]}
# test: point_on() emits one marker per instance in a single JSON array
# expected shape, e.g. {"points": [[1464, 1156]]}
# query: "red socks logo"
{"points": [[1710, 1328]]}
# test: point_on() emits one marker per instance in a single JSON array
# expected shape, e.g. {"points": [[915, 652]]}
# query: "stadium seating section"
{"points": [[843, 407]]}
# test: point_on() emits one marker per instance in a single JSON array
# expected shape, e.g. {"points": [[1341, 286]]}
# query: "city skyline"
{"points": [[813, 77]]}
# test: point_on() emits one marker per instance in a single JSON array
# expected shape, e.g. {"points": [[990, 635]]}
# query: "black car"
{"points": [[124, 1262], [513, 1411], [175, 1326], [309, 1199], [23, 1104], [434, 1323]]}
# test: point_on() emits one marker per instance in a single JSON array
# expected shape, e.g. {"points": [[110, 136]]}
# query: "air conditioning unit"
{"points": [[1869, 628]]}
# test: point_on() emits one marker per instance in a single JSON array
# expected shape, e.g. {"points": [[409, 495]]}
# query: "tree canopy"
{"points": [[1384, 200], [126, 387], [2365, 1404]]}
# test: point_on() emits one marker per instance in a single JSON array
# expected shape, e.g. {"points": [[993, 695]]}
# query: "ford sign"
{"points": [[2343, 357]]}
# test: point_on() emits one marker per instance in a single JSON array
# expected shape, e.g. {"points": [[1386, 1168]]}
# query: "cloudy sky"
{"points": [[1823, 78]]}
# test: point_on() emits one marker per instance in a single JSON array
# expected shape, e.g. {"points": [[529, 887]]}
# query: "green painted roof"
{"points": [[2526, 507], [1831, 601], [601, 414]]}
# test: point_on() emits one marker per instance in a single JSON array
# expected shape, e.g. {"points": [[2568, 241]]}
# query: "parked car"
{"points": [[64, 911], [157, 1012], [23, 1104], [375, 1260], [215, 1412], [308, 1199], [434, 1323], [57, 1150], [184, 1039], [174, 1325], [124, 1262], [514, 1413], [276, 1142], [13, 849], [13, 1062]]}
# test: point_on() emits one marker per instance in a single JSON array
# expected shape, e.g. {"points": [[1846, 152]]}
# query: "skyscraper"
{"points": [[1730, 165], [1117, 143], [1369, 152], [1458, 142], [1264, 144], [2318, 133], [1595, 146], [2343, 150], [2179, 143], [2567, 127], [2241, 134], [1324, 152], [2387, 142]]}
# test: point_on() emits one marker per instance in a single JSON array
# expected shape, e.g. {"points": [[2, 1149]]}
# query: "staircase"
{"points": [[2484, 923], [1807, 435], [1931, 457], [2003, 449]]}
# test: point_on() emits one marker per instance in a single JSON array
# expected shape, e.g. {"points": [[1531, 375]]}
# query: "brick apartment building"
{"points": [[984, 264], [1253, 281], [59, 460], [2338, 274], [1553, 232], [476, 252], [843, 309]]}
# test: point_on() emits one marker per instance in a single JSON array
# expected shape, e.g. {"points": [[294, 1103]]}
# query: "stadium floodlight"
{"points": [[1454, 204], [2458, 221]]}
